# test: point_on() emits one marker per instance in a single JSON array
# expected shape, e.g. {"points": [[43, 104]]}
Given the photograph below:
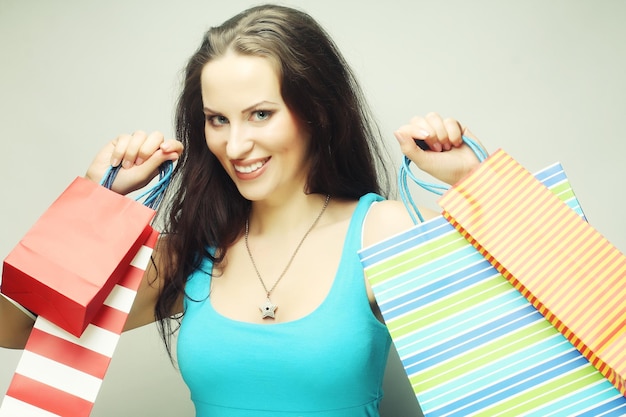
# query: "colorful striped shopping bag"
{"points": [[470, 343], [568, 270]]}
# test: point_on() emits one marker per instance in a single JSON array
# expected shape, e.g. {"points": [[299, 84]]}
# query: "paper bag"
{"points": [[60, 374], [469, 342], [568, 270], [68, 262]]}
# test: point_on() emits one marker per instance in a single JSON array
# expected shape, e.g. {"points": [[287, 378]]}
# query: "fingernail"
{"points": [[446, 147], [425, 133], [437, 147], [115, 162], [138, 161], [127, 164]]}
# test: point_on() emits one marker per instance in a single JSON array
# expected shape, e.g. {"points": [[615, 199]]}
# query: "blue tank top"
{"points": [[329, 363]]}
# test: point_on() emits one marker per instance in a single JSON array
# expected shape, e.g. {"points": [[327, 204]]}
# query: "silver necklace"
{"points": [[268, 309]]}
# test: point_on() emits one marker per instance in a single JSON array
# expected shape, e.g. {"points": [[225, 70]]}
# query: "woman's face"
{"points": [[249, 128]]}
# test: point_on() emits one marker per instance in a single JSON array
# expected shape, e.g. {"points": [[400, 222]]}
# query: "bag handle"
{"points": [[154, 195], [406, 173]]}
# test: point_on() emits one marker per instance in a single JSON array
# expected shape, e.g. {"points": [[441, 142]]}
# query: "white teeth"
{"points": [[249, 168]]}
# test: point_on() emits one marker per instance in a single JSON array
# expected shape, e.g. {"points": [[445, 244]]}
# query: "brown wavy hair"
{"points": [[205, 209]]}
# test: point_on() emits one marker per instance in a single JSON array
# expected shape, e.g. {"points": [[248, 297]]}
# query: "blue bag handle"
{"points": [[154, 195], [406, 173]]}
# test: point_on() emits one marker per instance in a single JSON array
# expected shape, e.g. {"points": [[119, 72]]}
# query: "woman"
{"points": [[278, 169]]}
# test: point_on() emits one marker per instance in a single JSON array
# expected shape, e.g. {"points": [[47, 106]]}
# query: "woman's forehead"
{"points": [[235, 80]]}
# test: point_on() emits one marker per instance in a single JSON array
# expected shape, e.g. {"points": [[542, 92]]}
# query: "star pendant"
{"points": [[268, 309]]}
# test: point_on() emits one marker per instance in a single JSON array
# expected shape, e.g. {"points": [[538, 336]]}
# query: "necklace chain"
{"points": [[293, 255]]}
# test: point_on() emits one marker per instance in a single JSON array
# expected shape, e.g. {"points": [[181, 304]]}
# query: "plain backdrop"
{"points": [[542, 79]]}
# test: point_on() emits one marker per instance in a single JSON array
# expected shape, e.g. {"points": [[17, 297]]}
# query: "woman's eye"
{"points": [[217, 120], [261, 115]]}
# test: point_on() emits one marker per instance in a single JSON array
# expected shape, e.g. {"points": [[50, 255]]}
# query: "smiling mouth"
{"points": [[247, 169]]}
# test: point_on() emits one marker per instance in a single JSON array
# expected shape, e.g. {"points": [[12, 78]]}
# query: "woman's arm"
{"points": [[16, 324], [143, 309]]}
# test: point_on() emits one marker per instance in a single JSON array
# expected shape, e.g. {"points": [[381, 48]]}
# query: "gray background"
{"points": [[542, 79]]}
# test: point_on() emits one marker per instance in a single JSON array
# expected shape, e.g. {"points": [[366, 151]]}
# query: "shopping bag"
{"points": [[60, 374], [470, 343], [570, 272], [68, 262]]}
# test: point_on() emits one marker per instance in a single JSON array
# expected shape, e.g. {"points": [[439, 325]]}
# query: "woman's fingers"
{"points": [[172, 148], [134, 149], [448, 157], [150, 145], [407, 135], [439, 138], [454, 131], [120, 144], [140, 155]]}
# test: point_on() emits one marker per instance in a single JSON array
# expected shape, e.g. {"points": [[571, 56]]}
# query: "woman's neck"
{"points": [[286, 217]]}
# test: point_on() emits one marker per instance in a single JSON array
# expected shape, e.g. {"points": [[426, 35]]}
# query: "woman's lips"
{"points": [[250, 170]]}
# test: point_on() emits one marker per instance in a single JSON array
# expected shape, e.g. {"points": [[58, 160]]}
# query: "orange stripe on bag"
{"points": [[563, 266]]}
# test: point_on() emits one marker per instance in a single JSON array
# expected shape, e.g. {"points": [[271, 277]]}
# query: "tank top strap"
{"points": [[355, 232], [349, 279]]}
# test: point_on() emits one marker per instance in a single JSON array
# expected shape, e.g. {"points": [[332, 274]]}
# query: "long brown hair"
{"points": [[206, 209]]}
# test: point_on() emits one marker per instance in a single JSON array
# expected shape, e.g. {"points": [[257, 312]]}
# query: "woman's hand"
{"points": [[448, 158], [140, 155]]}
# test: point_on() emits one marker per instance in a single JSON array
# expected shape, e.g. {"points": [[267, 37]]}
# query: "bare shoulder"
{"points": [[388, 218]]}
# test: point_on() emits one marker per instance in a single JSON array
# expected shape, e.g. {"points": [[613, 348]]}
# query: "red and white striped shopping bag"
{"points": [[60, 374]]}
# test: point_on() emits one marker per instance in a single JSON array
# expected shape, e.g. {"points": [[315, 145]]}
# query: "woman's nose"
{"points": [[239, 143]]}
